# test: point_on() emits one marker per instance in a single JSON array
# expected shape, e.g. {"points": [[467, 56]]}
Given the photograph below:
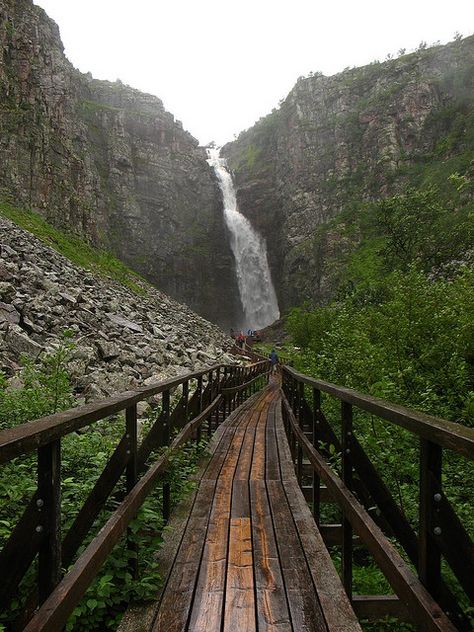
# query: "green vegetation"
{"points": [[75, 249], [402, 329], [406, 338], [45, 389]]}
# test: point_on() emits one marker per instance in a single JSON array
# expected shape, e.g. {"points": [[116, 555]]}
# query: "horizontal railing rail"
{"points": [[444, 433], [32, 435], [439, 532], [38, 532]]}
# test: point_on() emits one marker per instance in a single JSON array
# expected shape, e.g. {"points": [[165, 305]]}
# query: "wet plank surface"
{"points": [[251, 557]]}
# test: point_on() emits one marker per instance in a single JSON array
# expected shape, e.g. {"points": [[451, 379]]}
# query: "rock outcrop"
{"points": [[337, 142], [121, 339], [110, 164]]}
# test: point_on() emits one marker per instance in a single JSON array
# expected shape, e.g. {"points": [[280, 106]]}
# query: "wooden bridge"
{"points": [[249, 551]]}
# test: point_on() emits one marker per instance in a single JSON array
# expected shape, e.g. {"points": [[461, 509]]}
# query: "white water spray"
{"points": [[257, 293]]}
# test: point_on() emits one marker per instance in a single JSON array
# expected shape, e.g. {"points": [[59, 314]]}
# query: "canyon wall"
{"points": [[336, 143], [110, 164]]}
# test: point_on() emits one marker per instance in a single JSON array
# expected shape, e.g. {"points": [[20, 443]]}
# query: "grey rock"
{"points": [[19, 342], [7, 291], [9, 314], [6, 251], [108, 350], [119, 320], [67, 298]]}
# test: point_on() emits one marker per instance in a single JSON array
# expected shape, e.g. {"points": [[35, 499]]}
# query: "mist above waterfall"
{"points": [[257, 294]]}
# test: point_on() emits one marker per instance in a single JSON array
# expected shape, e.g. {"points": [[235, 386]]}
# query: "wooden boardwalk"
{"points": [[248, 556]]}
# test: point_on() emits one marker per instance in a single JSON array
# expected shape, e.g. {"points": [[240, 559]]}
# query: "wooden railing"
{"points": [[216, 391], [361, 489]]}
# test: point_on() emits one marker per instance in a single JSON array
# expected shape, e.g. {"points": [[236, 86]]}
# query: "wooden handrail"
{"points": [[29, 436], [444, 433], [423, 607], [38, 532], [236, 389], [53, 614], [439, 533]]}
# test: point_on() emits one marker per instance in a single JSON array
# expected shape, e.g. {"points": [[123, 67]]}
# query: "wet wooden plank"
{"points": [[215, 465], [272, 466], [244, 466], [284, 455], [257, 471], [177, 598], [334, 602], [209, 596], [271, 603], [305, 610], [239, 611]]}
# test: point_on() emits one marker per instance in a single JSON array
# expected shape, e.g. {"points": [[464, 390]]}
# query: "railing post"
{"points": [[218, 390], [186, 401], [131, 475], [232, 383], [165, 405], [210, 381], [315, 436], [199, 390], [226, 383], [293, 401], [346, 417], [294, 408], [299, 453], [49, 523], [429, 558]]}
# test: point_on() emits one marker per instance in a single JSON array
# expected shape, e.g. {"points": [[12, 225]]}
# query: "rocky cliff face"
{"points": [[109, 163], [337, 142]]}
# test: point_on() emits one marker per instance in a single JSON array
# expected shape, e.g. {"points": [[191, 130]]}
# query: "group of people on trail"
{"points": [[241, 339]]}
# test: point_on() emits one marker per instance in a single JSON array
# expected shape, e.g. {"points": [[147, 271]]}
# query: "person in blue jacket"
{"points": [[273, 357]]}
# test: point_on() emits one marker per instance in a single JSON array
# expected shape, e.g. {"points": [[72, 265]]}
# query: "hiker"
{"points": [[274, 360]]}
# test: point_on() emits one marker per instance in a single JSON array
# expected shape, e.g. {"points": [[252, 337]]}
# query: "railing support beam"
{"points": [[49, 523], [429, 557]]}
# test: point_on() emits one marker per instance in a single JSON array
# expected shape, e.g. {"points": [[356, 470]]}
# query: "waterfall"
{"points": [[257, 293]]}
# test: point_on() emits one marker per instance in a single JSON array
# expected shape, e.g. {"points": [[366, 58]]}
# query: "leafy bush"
{"points": [[409, 339]]}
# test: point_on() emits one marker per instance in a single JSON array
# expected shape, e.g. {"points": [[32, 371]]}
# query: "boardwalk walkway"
{"points": [[248, 556]]}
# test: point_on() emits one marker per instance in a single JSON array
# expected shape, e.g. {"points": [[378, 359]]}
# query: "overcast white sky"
{"points": [[219, 65]]}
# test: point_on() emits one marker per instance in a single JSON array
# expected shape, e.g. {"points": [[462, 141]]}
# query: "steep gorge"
{"points": [[110, 164]]}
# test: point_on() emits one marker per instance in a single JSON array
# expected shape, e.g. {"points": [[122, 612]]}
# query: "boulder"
{"points": [[7, 291], [9, 314], [108, 350], [18, 342]]}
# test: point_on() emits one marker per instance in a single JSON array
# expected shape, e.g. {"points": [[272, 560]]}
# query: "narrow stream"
{"points": [[257, 293]]}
